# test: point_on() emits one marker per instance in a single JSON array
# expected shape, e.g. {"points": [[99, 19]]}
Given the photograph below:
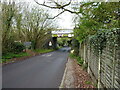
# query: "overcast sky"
{"points": [[64, 21]]}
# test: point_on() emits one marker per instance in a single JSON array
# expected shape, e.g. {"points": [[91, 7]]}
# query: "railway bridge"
{"points": [[60, 33]]}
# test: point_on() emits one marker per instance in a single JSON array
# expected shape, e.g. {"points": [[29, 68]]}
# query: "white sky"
{"points": [[64, 21]]}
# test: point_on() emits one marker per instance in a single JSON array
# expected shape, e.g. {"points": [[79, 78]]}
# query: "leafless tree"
{"points": [[57, 5]]}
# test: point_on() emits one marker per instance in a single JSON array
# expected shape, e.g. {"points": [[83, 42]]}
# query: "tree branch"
{"points": [[71, 11], [57, 15], [62, 6], [58, 6], [45, 5]]}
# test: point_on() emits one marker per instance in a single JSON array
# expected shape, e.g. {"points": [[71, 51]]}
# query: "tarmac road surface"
{"points": [[42, 71]]}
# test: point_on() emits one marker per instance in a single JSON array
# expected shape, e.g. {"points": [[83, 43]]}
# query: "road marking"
{"points": [[47, 55]]}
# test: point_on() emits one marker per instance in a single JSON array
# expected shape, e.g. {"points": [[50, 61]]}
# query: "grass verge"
{"points": [[78, 58], [43, 50], [8, 56]]}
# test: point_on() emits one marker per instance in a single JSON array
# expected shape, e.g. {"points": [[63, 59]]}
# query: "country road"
{"points": [[42, 71]]}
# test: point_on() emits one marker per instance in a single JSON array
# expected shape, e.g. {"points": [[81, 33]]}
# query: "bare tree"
{"points": [[8, 12], [36, 26], [57, 5], [23, 24]]}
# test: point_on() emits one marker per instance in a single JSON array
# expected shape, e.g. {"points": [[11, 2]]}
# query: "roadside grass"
{"points": [[8, 56], [78, 58], [91, 83], [43, 50], [95, 85], [71, 55], [88, 82]]}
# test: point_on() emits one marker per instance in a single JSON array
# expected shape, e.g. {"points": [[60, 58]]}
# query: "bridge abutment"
{"points": [[54, 42]]}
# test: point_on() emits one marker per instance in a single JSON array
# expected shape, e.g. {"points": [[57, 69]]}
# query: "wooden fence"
{"points": [[103, 67]]}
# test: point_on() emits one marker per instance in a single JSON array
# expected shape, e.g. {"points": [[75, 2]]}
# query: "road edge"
{"points": [[63, 78]]}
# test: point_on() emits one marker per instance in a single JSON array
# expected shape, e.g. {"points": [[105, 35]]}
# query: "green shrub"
{"points": [[17, 47], [72, 55], [75, 46], [13, 47], [78, 58], [8, 56]]}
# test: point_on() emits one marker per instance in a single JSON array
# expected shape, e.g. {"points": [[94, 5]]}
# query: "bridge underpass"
{"points": [[60, 33]]}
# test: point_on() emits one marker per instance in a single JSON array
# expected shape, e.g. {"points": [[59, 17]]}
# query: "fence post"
{"points": [[113, 67], [80, 49], [99, 68], [84, 53], [88, 57]]}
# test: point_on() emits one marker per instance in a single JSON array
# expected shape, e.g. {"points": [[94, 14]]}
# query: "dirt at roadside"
{"points": [[82, 77], [75, 76]]}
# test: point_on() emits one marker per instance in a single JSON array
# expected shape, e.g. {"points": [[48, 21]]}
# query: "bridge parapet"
{"points": [[63, 33]]}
